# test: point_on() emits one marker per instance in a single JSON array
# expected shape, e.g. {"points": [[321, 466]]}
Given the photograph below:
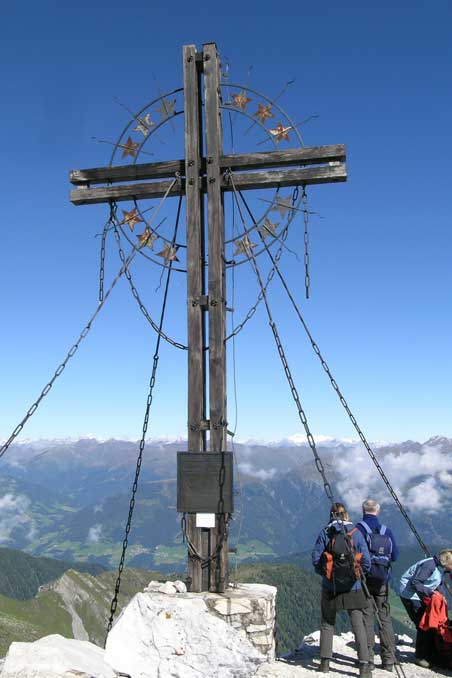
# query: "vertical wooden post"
{"points": [[195, 287], [217, 286]]}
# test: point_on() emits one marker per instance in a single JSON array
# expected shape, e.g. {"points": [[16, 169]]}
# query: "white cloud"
{"points": [[260, 474], [420, 477], [94, 534], [13, 514], [425, 496]]}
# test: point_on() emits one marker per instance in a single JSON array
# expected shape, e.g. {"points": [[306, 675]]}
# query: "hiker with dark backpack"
{"points": [[383, 552], [339, 555]]}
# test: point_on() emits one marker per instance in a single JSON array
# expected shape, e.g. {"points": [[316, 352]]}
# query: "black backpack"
{"points": [[380, 549], [341, 561]]}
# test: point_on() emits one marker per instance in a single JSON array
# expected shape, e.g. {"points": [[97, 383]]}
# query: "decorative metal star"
{"points": [[283, 205], [240, 100], [168, 253], [263, 112], [244, 246], [280, 132], [166, 110], [131, 218], [147, 238], [268, 229], [129, 148], [144, 125]]}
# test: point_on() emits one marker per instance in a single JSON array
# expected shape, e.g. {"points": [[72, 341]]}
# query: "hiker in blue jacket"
{"points": [[339, 552], [416, 587], [383, 551]]}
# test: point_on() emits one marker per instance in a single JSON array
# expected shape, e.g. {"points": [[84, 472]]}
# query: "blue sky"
{"points": [[379, 78]]}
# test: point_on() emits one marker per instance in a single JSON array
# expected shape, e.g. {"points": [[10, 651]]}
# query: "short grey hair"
{"points": [[371, 506], [445, 558]]}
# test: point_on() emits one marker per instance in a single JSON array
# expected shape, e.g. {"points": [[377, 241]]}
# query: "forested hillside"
{"points": [[82, 596], [21, 575]]}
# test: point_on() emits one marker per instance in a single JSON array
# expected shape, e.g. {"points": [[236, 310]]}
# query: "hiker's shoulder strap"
{"points": [[383, 529], [365, 525]]}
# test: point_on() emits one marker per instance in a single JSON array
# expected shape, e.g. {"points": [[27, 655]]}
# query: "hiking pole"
{"points": [[397, 664]]}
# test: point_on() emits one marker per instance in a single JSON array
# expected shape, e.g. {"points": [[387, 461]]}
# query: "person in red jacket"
{"points": [[417, 585]]}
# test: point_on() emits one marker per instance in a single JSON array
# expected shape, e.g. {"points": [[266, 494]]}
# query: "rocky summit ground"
{"points": [[305, 660]]}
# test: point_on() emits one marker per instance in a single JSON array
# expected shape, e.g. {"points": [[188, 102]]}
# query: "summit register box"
{"points": [[204, 482]]}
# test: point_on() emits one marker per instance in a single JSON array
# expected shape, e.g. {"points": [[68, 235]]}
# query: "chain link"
{"points": [[102, 257], [125, 543], [307, 277]]}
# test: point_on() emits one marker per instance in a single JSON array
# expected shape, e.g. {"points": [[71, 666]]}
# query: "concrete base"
{"points": [[250, 608]]}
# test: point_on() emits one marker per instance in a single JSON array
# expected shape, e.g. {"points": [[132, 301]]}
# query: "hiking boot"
{"points": [[364, 670], [387, 667], [324, 666], [424, 663]]}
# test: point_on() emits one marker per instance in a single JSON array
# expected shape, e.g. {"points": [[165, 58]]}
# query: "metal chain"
{"points": [[125, 543], [303, 418], [69, 355], [307, 277], [341, 397], [136, 295], [83, 333], [301, 413], [102, 256]]}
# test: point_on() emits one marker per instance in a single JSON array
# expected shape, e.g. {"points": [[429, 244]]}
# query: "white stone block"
{"points": [[180, 586], [56, 657], [257, 628], [231, 606], [168, 588], [158, 636], [153, 586]]}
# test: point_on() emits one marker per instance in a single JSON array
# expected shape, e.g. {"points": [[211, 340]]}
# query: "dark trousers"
{"points": [[425, 640], [385, 631], [328, 622]]}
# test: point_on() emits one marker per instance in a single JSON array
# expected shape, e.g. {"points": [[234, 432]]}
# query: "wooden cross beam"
{"points": [[326, 165], [199, 174]]}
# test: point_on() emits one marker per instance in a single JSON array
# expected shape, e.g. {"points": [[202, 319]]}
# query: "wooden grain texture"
{"points": [[245, 181], [156, 189], [315, 155], [148, 170], [195, 289], [216, 288]]}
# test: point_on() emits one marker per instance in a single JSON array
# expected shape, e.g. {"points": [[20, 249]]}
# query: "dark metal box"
{"points": [[204, 482]]}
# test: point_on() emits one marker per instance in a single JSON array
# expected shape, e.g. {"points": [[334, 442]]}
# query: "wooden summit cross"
{"points": [[204, 173]]}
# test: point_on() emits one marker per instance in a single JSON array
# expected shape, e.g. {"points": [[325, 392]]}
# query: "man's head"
{"points": [[371, 506], [445, 558]]}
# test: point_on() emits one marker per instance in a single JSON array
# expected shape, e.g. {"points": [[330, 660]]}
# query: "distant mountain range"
{"points": [[68, 499]]}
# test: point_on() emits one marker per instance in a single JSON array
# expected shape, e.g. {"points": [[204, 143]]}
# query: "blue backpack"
{"points": [[380, 549]]}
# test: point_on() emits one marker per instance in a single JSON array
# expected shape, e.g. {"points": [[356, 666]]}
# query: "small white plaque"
{"points": [[205, 520]]}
